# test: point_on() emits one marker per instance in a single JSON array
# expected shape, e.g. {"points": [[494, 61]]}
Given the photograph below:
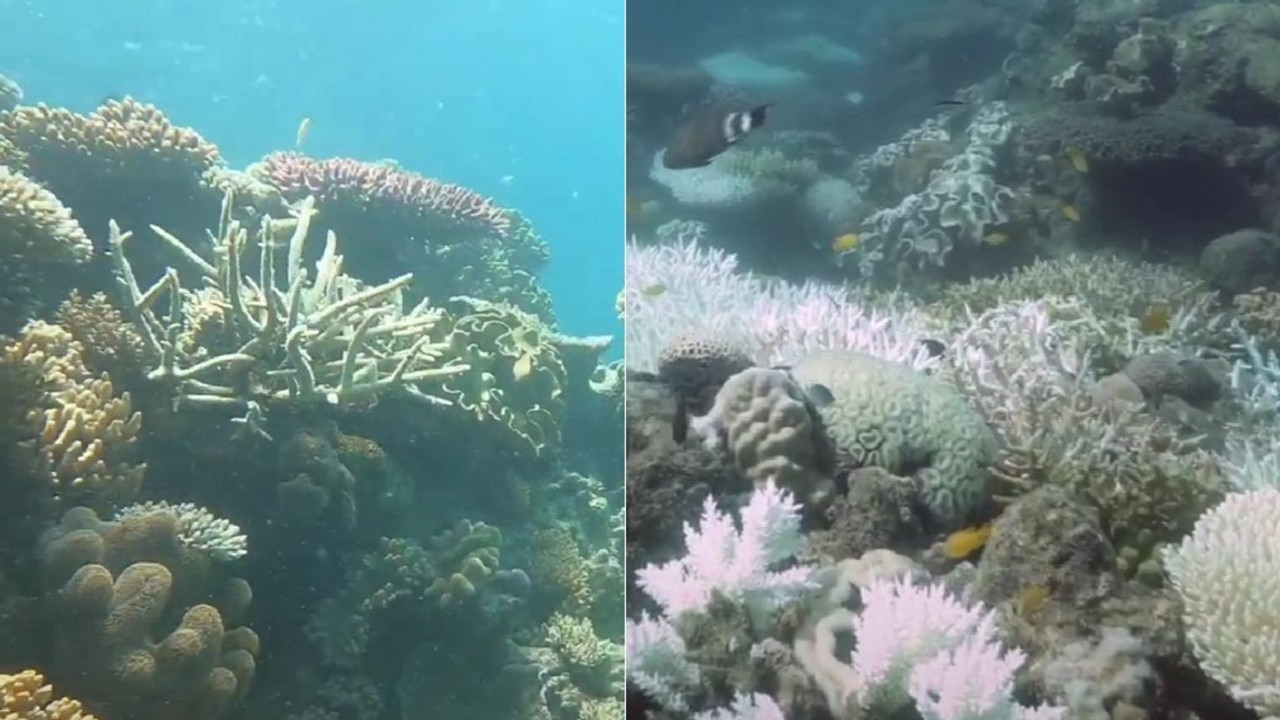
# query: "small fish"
{"points": [[1078, 160], [935, 348], [654, 290], [708, 133], [996, 239], [846, 243], [963, 543], [523, 367], [950, 102], [1156, 320], [304, 129], [820, 395], [680, 423], [1031, 599], [1071, 212]]}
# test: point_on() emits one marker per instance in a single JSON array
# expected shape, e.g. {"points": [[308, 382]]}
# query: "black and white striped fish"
{"points": [[709, 133]]}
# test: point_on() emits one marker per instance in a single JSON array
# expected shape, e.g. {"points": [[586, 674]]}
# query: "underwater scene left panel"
{"points": [[310, 405]]}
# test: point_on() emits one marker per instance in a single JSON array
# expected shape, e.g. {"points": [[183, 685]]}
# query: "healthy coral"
{"points": [[26, 696], [85, 431], [36, 226], [125, 138]]}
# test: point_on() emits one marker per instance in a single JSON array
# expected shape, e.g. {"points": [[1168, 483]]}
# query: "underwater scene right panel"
{"points": [[952, 373]]}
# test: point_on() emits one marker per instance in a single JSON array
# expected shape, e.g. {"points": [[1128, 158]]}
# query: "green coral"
{"points": [[887, 415]]}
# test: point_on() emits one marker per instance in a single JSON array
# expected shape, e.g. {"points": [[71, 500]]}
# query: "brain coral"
{"points": [[891, 416]]}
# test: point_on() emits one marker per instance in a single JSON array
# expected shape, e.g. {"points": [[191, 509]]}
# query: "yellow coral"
{"points": [[35, 225], [122, 136], [85, 432], [557, 563], [26, 696]]}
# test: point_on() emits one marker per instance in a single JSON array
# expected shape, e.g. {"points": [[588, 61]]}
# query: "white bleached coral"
{"points": [[736, 564], [1227, 573], [198, 528]]}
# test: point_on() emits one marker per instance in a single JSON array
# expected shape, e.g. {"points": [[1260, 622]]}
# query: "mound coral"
{"points": [[887, 415], [763, 421], [36, 226], [1226, 573], [115, 582]]}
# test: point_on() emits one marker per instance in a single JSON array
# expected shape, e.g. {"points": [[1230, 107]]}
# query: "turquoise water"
{"points": [[475, 93]]}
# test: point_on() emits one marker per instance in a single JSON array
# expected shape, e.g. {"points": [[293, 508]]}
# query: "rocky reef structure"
{"points": [[1118, 416], [217, 377]]}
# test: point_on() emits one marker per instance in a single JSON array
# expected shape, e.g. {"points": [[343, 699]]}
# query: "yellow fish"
{"points": [[523, 367], [1031, 599], [1071, 212], [846, 242], [304, 129], [963, 543], [1078, 160], [635, 208], [1155, 320], [654, 290], [996, 238]]}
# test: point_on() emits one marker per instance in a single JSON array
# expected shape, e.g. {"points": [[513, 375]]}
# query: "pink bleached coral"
{"points": [[379, 184], [704, 294]]}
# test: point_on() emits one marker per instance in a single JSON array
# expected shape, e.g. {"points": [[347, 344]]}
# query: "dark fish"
{"points": [[820, 395], [942, 103], [935, 348], [709, 133], [680, 423]]}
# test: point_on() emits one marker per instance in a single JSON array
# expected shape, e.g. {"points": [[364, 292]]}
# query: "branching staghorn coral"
{"points": [[1026, 367], [1126, 307], [290, 337]]}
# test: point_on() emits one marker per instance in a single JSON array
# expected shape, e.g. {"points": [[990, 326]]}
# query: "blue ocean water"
{"points": [[519, 101]]}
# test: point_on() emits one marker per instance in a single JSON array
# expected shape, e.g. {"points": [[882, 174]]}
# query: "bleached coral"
{"points": [[919, 646], [756, 706], [960, 203], [656, 662], [736, 564], [198, 528], [705, 294], [1227, 573]]}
